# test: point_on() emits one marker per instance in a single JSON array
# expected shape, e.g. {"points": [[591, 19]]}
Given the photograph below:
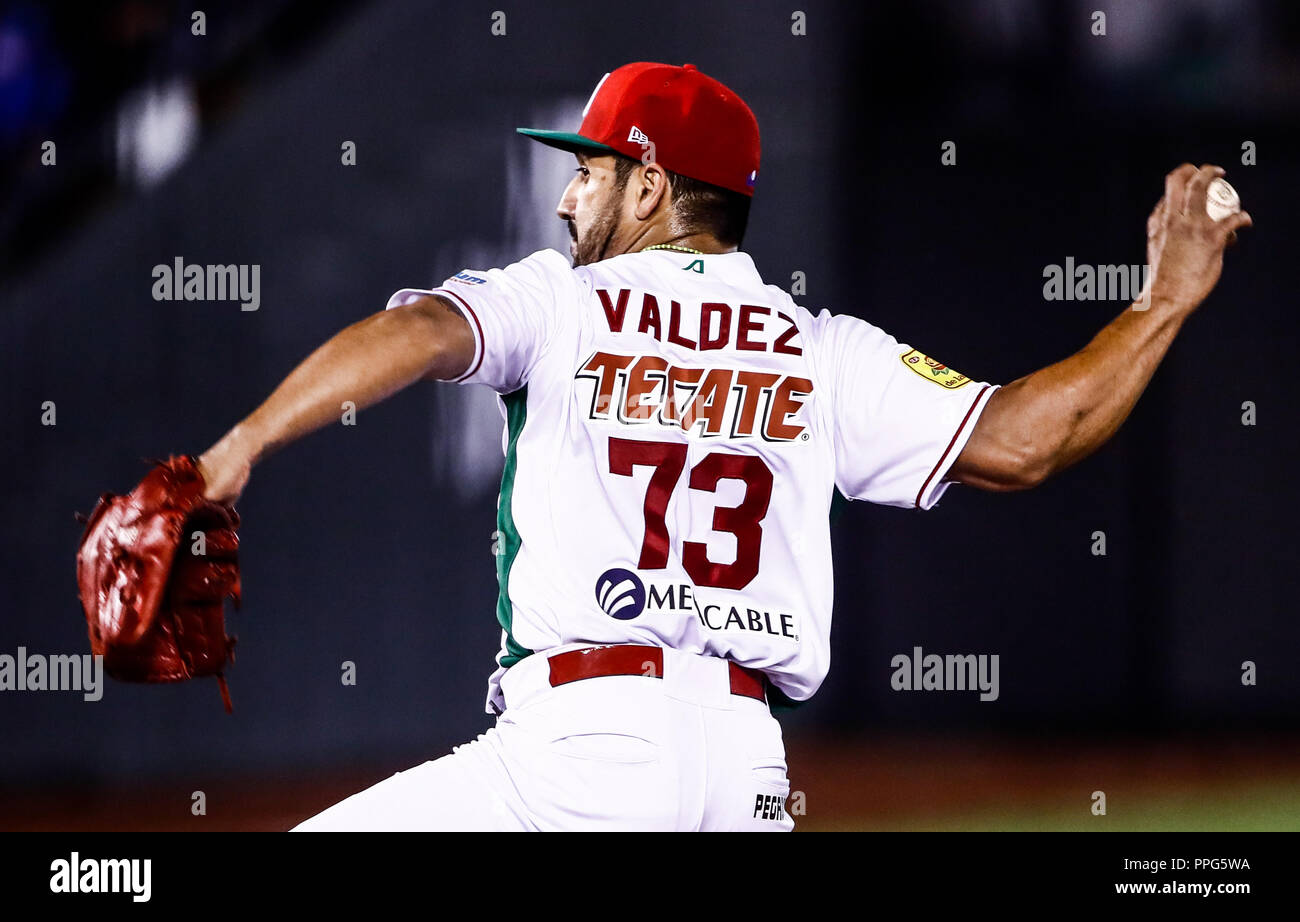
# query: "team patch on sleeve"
{"points": [[934, 371]]}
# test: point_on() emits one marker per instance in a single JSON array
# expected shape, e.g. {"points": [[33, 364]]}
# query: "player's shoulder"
{"points": [[547, 262], [829, 337], [544, 271], [840, 328]]}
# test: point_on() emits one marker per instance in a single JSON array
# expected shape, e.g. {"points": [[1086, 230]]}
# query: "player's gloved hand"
{"points": [[154, 570], [1184, 244]]}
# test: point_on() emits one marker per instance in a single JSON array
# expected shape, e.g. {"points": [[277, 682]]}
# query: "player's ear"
{"points": [[653, 189]]}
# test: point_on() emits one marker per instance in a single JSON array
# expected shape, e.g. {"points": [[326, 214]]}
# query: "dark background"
{"points": [[372, 544]]}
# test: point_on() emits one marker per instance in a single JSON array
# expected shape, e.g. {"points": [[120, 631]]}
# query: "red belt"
{"points": [[633, 659]]}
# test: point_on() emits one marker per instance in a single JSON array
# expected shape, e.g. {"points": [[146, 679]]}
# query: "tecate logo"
{"points": [[620, 593]]}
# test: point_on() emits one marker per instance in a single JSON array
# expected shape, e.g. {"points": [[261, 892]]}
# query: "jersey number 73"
{"points": [[744, 521]]}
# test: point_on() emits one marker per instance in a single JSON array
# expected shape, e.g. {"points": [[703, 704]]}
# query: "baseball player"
{"points": [[675, 430]]}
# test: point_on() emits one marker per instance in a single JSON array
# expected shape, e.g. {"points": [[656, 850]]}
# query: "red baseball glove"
{"points": [[154, 570]]}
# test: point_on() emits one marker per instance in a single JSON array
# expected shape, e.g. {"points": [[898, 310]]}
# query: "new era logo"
{"points": [[637, 136]]}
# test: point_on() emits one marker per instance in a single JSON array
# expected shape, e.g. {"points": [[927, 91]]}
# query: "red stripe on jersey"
{"points": [[953, 441], [473, 316]]}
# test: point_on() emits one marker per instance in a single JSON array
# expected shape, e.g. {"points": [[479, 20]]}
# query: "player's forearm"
{"points": [[1060, 414], [361, 366]]}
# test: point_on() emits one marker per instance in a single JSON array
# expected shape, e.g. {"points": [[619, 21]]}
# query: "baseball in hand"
{"points": [[1221, 200]]}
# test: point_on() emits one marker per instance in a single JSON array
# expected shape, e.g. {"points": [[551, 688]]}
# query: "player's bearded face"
{"points": [[591, 207]]}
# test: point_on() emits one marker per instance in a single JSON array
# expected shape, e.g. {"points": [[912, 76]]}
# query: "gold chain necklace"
{"points": [[677, 249]]}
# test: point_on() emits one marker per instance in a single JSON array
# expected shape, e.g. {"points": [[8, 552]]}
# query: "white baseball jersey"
{"points": [[675, 431]]}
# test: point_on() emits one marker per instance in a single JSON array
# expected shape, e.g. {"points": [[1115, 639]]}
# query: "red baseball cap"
{"points": [[687, 121]]}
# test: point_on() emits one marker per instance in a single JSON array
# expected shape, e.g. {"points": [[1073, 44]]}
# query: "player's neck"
{"points": [[691, 243]]}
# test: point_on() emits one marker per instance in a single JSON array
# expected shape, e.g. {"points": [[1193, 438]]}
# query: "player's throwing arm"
{"points": [[365, 363], [1046, 421]]}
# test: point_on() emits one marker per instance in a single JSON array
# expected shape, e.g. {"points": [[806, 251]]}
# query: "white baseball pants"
{"points": [[622, 752]]}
